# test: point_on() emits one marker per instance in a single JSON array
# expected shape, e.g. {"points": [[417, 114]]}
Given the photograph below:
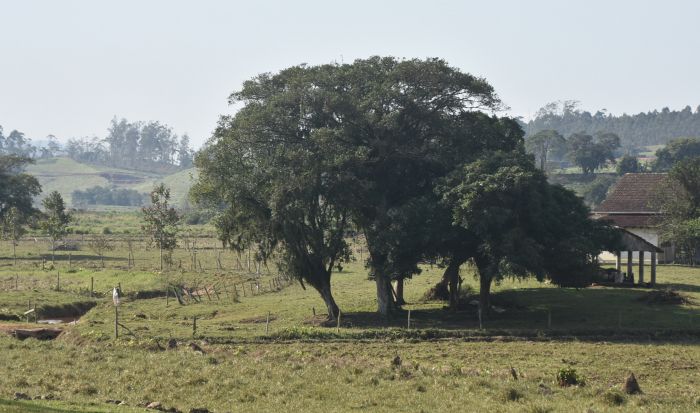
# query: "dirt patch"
{"points": [[320, 320], [257, 320], [117, 178], [664, 297]]}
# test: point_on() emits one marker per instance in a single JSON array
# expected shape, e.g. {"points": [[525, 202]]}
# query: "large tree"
{"points": [[523, 225], [545, 143], [272, 171], [406, 123], [17, 189], [592, 152]]}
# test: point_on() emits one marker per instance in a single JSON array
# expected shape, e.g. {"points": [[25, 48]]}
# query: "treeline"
{"points": [[16, 143], [651, 128], [147, 146], [99, 195]]}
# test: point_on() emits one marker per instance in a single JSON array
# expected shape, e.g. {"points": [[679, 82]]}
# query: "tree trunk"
{"points": [[399, 292], [53, 250], [321, 281], [452, 277], [485, 294], [327, 296], [385, 299]]}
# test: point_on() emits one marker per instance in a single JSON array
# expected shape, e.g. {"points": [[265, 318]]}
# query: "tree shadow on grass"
{"points": [[688, 288], [541, 309]]}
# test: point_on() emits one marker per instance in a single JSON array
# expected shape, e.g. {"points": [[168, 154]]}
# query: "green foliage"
{"points": [[17, 189], [546, 144], [589, 152], [677, 150], [161, 221], [642, 129], [681, 222], [524, 226], [595, 192], [147, 146], [629, 164], [56, 219], [568, 376]]}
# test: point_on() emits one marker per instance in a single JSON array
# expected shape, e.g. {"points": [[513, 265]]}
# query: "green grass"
{"points": [[347, 376], [295, 363], [66, 175]]}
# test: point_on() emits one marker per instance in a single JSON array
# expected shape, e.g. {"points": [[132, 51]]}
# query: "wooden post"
{"points": [[167, 294], [618, 261], [116, 321], [313, 310], [641, 267], [267, 323], [479, 311], [70, 261], [194, 326], [408, 324], [629, 263], [58, 281], [653, 268], [92, 287], [207, 291]]}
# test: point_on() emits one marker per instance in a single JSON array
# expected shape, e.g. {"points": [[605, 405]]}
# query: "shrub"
{"points": [[567, 376]]}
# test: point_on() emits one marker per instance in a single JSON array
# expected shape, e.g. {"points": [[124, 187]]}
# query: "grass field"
{"points": [[66, 175], [266, 351]]}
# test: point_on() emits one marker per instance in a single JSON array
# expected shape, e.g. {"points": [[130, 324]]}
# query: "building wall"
{"points": [[650, 235]]}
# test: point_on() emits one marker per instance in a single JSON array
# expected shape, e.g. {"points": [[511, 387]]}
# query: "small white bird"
{"points": [[115, 296]]}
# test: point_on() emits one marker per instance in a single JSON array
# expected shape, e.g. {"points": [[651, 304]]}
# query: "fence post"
{"points": [[92, 287], [194, 326], [116, 321], [337, 327], [409, 320], [58, 281], [267, 323]]}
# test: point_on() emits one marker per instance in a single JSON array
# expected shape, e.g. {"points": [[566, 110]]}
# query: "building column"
{"points": [[618, 261], [629, 263], [641, 267], [653, 268]]}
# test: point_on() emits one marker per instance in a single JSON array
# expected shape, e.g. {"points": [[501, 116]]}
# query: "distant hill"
{"points": [[66, 175]]}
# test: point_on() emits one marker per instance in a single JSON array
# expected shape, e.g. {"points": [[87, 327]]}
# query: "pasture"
{"points": [[263, 344]]}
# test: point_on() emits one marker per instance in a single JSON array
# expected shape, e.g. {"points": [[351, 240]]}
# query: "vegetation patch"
{"points": [[664, 297]]}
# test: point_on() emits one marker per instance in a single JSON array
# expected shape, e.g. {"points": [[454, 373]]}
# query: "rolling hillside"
{"points": [[66, 175]]}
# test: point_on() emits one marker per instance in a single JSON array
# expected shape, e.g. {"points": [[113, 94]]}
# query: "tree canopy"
{"points": [[380, 145], [592, 152], [17, 189]]}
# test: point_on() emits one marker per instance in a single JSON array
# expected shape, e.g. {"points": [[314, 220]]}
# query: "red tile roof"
{"points": [[636, 193]]}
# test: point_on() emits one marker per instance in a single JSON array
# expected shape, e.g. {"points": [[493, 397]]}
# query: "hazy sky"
{"points": [[68, 67]]}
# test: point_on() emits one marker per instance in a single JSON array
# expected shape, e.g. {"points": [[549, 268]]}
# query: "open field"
{"points": [[296, 361], [65, 175]]}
